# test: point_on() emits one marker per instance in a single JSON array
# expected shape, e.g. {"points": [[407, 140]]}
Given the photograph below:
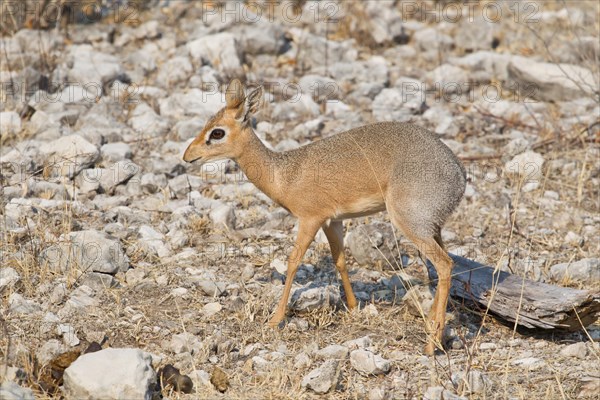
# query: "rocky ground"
{"points": [[110, 241]]}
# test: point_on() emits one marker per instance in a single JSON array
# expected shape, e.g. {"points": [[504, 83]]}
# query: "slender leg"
{"points": [[443, 265], [433, 249], [334, 230], [307, 230], [439, 305]]}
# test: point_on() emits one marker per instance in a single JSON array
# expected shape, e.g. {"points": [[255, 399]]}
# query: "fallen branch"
{"points": [[543, 306]]}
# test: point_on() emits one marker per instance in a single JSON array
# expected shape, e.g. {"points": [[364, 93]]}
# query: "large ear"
{"points": [[234, 95], [251, 104]]}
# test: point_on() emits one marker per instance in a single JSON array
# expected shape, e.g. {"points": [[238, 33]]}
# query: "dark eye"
{"points": [[217, 134]]}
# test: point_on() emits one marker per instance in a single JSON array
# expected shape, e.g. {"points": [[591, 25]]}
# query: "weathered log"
{"points": [[531, 304]]}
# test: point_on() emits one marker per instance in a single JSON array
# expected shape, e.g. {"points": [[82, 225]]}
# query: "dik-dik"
{"points": [[391, 166]]}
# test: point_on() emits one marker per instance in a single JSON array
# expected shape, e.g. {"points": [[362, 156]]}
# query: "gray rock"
{"points": [[475, 381], [134, 276], [58, 294], [211, 309], [111, 374], [551, 82], [577, 350], [211, 288], [322, 379], [484, 66], [450, 78], [310, 298], [377, 71], [475, 33], [334, 351], [321, 49], [183, 184], [378, 393], [359, 343], [418, 300], [89, 180], [80, 302], [319, 87], [68, 334], [516, 146], [368, 363], [488, 346], [529, 362], [10, 123], [573, 239], [99, 281], [154, 241], [49, 323], [8, 277], [385, 21], [302, 360], [248, 272], [287, 144], [201, 376], [223, 215], [148, 30], [400, 102], [586, 270], [185, 342], [439, 393], [301, 107], [87, 251], [527, 165], [260, 365], [443, 120], [69, 155], [17, 304], [49, 351], [44, 189], [189, 129], [116, 174], [586, 48], [233, 191], [429, 39], [152, 183], [372, 242], [340, 110], [260, 37], [178, 239], [91, 67], [21, 160], [279, 265], [194, 102], [529, 113], [12, 391], [174, 71], [108, 203], [221, 50], [82, 297], [114, 152], [105, 180], [146, 121], [102, 123]]}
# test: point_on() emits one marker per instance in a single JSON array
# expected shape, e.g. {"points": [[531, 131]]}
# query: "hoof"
{"points": [[352, 305], [274, 322], [429, 349]]}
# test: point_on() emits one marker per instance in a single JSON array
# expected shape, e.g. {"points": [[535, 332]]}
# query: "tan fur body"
{"points": [[401, 168], [350, 174]]}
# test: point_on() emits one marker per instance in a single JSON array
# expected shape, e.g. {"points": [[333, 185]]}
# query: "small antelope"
{"points": [[398, 167]]}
